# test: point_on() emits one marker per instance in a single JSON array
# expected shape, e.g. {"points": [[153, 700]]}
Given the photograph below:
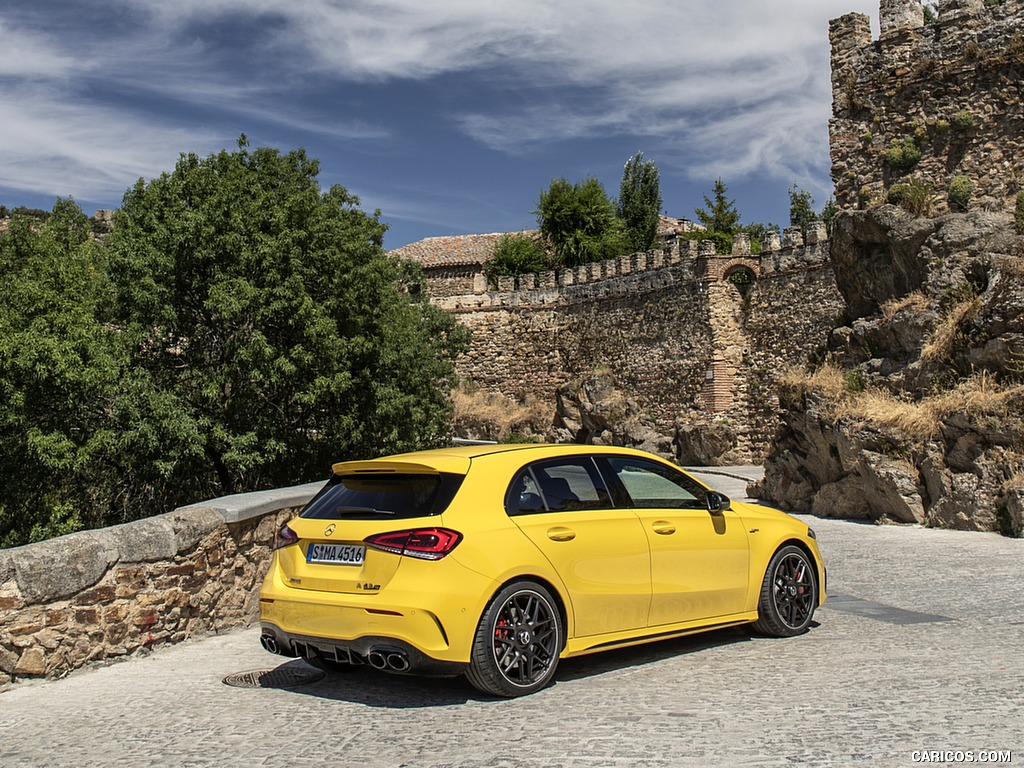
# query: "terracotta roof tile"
{"points": [[453, 250]]}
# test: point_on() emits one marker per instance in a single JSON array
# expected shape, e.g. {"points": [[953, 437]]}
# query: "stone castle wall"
{"points": [[678, 332], [948, 90]]}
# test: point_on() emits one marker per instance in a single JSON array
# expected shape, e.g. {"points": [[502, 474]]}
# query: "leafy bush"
{"points": [[517, 255], [960, 191], [580, 222], [828, 212], [63, 380], [902, 155], [854, 380], [915, 197], [962, 120], [741, 277]]}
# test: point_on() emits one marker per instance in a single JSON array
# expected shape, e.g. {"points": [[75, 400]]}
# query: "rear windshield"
{"points": [[385, 496]]}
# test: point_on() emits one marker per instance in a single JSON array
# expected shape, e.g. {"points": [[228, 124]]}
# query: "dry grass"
{"points": [[940, 346], [1010, 266], [494, 416], [916, 301], [919, 420], [1017, 481], [883, 410], [828, 380]]}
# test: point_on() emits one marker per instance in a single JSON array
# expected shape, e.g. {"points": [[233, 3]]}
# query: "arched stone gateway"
{"points": [[741, 276], [741, 272]]}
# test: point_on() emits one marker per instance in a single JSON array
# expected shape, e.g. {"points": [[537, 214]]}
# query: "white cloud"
{"points": [[29, 54], [654, 68], [61, 147], [742, 87]]}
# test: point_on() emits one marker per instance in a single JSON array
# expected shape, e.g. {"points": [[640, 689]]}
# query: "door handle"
{"points": [[561, 534], [663, 527]]}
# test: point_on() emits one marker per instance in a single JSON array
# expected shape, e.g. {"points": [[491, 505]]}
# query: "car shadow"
{"points": [[639, 655], [371, 688]]}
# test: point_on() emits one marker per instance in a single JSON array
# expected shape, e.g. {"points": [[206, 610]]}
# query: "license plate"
{"points": [[336, 554]]}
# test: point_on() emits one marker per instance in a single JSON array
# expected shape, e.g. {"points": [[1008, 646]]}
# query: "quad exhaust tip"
{"points": [[388, 659], [385, 659]]}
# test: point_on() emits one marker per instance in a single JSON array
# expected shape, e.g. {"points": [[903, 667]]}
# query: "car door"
{"points": [[600, 552], [699, 560]]}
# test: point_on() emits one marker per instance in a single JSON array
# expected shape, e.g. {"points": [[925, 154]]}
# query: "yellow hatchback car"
{"points": [[496, 561]]}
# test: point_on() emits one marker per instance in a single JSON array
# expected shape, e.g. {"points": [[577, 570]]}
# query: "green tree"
{"points": [[720, 215], [828, 212], [59, 374], [580, 222], [801, 209], [517, 255], [268, 314], [640, 201]]}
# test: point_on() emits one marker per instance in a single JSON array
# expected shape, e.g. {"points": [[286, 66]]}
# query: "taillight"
{"points": [[285, 536], [424, 543]]}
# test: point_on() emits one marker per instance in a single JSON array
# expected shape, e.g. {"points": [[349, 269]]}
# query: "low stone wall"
{"points": [[114, 592]]}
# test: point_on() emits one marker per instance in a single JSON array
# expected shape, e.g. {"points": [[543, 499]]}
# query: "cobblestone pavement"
{"points": [[919, 648]]}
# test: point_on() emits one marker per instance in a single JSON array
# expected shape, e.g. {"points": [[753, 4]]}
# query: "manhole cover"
{"points": [[282, 677]]}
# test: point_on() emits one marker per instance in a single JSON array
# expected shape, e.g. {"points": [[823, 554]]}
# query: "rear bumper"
{"points": [[387, 654], [429, 610]]}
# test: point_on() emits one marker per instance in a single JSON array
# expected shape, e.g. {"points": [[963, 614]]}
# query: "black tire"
{"points": [[789, 594], [516, 647]]}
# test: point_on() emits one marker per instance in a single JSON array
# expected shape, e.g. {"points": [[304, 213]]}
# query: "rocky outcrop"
{"points": [[593, 410], [920, 419]]}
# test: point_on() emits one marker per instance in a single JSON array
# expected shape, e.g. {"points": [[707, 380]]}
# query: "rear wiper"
{"points": [[356, 511]]}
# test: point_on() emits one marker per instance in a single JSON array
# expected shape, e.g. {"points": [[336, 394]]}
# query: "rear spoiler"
{"points": [[458, 465]]}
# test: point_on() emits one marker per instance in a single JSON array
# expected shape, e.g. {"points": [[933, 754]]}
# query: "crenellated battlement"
{"points": [[683, 261], [896, 17], [928, 101]]}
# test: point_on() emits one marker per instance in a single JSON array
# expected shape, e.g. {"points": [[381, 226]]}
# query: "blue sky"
{"points": [[449, 115]]}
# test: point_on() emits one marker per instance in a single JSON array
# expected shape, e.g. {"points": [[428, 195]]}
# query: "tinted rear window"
{"points": [[383, 496]]}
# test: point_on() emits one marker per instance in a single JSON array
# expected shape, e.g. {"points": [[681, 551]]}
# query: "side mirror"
{"points": [[717, 502]]}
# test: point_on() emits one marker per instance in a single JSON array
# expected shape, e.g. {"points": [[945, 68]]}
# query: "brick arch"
{"points": [[735, 265]]}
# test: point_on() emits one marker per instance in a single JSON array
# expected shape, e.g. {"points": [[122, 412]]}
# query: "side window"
{"points": [[651, 485], [523, 496], [559, 485]]}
